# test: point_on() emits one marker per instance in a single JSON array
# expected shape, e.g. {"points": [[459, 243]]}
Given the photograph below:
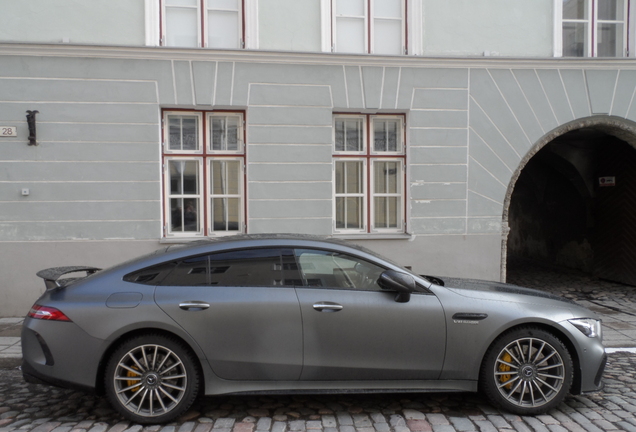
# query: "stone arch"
{"points": [[618, 127]]}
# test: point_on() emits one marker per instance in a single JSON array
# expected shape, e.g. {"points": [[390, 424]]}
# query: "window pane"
{"points": [[233, 177], [349, 212], [226, 214], [224, 132], [387, 212], [610, 40], [349, 135], [184, 215], [354, 212], [574, 39], [334, 270], [223, 29], [250, 267], [387, 136], [575, 9], [387, 37], [176, 214], [340, 213], [350, 35], [223, 4], [183, 133], [191, 214], [353, 177], [151, 275], [184, 177], [386, 177], [611, 10], [182, 3], [182, 27], [350, 7], [189, 272], [388, 8], [225, 178]]}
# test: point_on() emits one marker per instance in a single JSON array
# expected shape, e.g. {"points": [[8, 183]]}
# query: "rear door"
{"points": [[241, 307], [354, 330]]}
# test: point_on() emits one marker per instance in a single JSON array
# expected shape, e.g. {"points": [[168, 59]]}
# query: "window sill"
{"points": [[374, 236]]}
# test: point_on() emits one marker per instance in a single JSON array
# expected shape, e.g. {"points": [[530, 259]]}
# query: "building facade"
{"points": [[407, 126]]}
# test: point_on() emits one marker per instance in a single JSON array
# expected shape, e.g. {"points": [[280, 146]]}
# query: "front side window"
{"points": [[369, 170], [369, 26], [202, 23], [203, 181], [330, 269], [594, 28]]}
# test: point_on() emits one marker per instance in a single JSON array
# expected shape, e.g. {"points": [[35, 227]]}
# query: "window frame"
{"points": [[367, 156], [369, 25], [592, 26], [205, 158], [202, 24]]}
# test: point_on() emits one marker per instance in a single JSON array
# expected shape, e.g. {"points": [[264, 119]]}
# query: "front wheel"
{"points": [[527, 371], [151, 379]]}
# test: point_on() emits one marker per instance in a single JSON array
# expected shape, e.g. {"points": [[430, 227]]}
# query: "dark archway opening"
{"points": [[574, 206]]}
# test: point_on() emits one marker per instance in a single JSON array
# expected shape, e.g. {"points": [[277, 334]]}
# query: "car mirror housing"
{"points": [[403, 283]]}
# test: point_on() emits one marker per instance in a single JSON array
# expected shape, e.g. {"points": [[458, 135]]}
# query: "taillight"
{"points": [[47, 313]]}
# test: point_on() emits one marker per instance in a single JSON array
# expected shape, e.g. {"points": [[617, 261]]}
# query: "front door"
{"points": [[354, 330]]}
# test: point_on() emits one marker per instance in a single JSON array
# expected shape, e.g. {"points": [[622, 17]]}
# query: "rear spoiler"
{"points": [[52, 275]]}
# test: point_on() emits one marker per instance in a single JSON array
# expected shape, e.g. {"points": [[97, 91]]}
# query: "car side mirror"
{"points": [[403, 283]]}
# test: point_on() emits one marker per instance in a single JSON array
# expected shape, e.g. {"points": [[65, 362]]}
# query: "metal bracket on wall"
{"points": [[31, 123]]}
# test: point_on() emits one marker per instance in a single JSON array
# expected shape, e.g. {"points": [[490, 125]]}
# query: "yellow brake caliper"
{"points": [[505, 368], [130, 383]]}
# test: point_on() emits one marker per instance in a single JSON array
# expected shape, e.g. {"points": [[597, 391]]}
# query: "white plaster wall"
{"points": [[102, 22], [499, 27], [289, 25]]}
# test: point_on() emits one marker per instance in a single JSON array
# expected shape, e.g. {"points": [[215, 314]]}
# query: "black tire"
{"points": [[526, 371], [151, 379]]}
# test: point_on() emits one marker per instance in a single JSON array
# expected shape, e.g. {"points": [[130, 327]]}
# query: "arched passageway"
{"points": [[573, 203]]}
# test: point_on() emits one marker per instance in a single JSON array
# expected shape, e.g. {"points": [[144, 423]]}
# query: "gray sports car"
{"points": [[272, 313]]}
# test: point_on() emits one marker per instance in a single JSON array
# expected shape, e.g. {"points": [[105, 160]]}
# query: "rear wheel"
{"points": [[151, 379], [527, 371]]}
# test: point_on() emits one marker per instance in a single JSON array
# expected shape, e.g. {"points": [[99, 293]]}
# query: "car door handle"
{"points": [[328, 307], [194, 305]]}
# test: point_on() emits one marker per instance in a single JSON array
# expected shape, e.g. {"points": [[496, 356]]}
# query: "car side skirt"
{"points": [[333, 387]]}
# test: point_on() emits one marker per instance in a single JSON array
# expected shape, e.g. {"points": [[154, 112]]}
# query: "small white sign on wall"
{"points": [[8, 131]]}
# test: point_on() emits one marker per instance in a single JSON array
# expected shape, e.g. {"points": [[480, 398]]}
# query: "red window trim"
{"points": [[369, 157], [205, 155]]}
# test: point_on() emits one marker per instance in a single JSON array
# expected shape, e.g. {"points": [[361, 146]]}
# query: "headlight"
{"points": [[589, 327]]}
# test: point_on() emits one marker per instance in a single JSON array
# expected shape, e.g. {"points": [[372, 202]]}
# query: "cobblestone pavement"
{"points": [[37, 408]]}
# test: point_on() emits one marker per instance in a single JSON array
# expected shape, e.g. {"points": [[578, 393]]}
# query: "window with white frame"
{"points": [[595, 28], [369, 173], [369, 26], [202, 23], [203, 160]]}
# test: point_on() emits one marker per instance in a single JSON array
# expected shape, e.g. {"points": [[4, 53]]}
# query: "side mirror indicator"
{"points": [[403, 283]]}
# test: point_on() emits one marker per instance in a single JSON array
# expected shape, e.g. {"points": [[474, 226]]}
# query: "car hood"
{"points": [[477, 288]]}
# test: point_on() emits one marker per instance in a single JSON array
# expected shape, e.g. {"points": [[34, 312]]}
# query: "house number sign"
{"points": [[8, 131]]}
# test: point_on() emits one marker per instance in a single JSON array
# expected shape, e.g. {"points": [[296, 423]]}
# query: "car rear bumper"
{"points": [[59, 353]]}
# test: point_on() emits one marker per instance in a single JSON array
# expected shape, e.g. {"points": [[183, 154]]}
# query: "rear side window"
{"points": [[249, 267], [253, 267], [151, 275], [189, 272]]}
